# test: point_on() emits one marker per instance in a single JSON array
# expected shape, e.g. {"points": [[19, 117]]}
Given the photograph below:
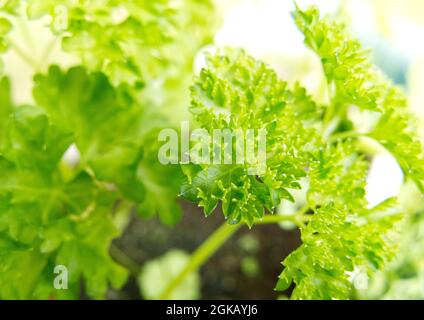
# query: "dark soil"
{"points": [[222, 276]]}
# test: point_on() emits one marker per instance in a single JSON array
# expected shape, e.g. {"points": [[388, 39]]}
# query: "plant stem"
{"points": [[24, 56], [45, 56], [213, 243], [23, 23], [298, 219], [201, 255], [121, 258]]}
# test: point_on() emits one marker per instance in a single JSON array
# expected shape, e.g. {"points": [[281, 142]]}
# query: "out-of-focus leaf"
{"points": [[157, 274]]}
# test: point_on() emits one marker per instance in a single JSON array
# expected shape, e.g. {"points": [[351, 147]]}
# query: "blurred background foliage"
{"points": [[248, 267]]}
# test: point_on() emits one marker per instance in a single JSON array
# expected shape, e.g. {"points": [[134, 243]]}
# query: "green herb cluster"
{"points": [[136, 62]]}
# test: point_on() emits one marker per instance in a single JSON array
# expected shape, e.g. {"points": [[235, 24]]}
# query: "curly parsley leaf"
{"points": [[135, 41], [396, 131], [342, 238], [346, 64], [235, 92], [355, 81]]}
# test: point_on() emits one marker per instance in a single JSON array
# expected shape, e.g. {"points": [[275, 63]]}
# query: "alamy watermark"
{"points": [[60, 18], [220, 146], [60, 282]]}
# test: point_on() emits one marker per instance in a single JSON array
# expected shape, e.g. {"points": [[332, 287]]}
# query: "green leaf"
{"points": [[338, 175], [336, 245], [353, 80], [5, 28], [134, 41], [237, 92], [343, 242], [32, 142], [6, 105], [156, 275], [88, 106], [347, 66], [396, 131], [162, 184], [46, 220]]}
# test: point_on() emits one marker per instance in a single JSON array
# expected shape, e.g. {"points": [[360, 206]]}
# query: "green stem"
{"points": [[201, 255], [213, 243], [298, 219], [328, 115], [121, 258]]}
